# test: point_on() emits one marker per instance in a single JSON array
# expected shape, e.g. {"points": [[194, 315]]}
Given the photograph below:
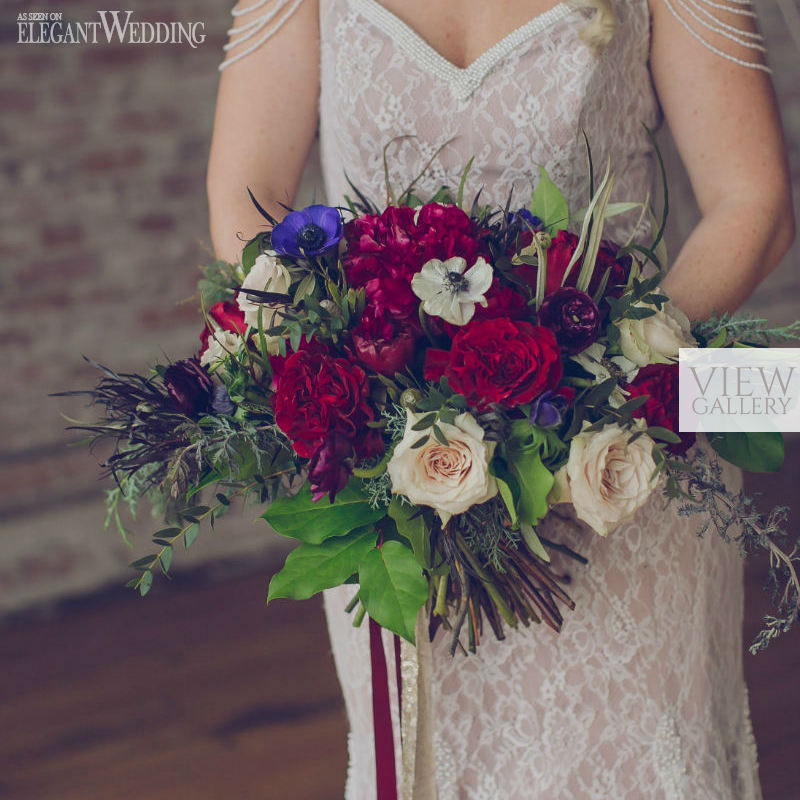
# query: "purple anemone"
{"points": [[307, 233]]}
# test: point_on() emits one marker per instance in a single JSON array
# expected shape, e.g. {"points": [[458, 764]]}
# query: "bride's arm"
{"points": [[725, 123], [265, 123]]}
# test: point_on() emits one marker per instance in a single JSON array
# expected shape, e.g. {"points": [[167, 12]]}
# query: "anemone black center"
{"points": [[311, 237], [456, 282]]}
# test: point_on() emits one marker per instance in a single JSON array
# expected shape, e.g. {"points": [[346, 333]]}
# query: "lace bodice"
{"points": [[521, 105], [642, 695]]}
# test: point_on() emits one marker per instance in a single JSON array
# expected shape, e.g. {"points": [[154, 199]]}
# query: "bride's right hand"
{"points": [[265, 123]]}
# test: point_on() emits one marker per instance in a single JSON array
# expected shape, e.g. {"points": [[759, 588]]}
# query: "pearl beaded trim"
{"points": [[706, 19], [463, 81]]}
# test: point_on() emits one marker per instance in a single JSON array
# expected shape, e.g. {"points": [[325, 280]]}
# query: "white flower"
{"points": [[591, 359], [450, 478], [220, 345], [607, 478], [448, 292], [657, 338], [266, 275]]}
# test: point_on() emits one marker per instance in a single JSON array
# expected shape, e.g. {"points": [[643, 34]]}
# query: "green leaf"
{"points": [[192, 532], [550, 205], [313, 567], [663, 434], [299, 517], [753, 452], [393, 588], [412, 526], [145, 583], [508, 486], [166, 559], [534, 542], [524, 452]]}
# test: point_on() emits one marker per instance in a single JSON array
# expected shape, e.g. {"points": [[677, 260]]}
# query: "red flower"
{"points": [[394, 245], [382, 342], [228, 316], [317, 394], [331, 466], [499, 361], [660, 382], [392, 297], [501, 302], [558, 256]]}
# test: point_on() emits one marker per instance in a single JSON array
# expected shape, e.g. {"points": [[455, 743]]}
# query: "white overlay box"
{"points": [[744, 389]]}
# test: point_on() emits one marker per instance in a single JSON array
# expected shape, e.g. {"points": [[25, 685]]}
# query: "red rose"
{"points": [[317, 394], [558, 257], [394, 245], [660, 382], [228, 316], [499, 361], [383, 343]]}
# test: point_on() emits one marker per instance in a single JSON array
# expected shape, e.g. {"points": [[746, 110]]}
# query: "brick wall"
{"points": [[103, 153]]}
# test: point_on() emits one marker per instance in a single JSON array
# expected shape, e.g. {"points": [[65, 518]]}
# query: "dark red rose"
{"points": [[317, 394], [228, 317], [558, 257], [394, 245], [331, 466], [501, 301], [383, 343], [660, 382], [189, 386], [500, 361], [572, 316]]}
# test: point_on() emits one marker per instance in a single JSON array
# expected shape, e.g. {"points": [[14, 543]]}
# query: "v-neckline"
{"points": [[462, 80]]}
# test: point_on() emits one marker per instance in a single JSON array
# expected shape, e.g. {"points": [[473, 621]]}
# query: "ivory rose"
{"points": [[266, 275], [449, 478], [656, 339], [607, 478], [220, 345]]}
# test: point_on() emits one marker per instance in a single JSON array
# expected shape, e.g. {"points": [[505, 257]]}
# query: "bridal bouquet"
{"points": [[409, 389]]}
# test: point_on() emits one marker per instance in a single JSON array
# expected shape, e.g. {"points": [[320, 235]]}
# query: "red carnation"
{"points": [[660, 382], [317, 394], [228, 317], [499, 361]]}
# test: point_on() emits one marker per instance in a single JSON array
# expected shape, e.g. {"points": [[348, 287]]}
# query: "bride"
{"points": [[642, 694]]}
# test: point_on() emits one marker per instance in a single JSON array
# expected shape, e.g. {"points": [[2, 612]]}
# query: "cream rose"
{"points": [[607, 479], [449, 478], [266, 275], [655, 339], [220, 345]]}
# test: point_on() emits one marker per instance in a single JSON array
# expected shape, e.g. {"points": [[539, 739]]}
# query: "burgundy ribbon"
{"points": [[385, 771]]}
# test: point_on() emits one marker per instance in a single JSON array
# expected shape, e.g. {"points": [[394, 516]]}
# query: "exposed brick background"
{"points": [[103, 153]]}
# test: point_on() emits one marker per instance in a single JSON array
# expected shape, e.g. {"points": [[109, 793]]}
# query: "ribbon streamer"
{"points": [[385, 772]]}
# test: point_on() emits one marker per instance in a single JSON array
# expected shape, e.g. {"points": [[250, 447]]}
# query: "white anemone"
{"points": [[449, 290]]}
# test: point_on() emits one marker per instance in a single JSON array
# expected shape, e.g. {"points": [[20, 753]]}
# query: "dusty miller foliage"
{"points": [[737, 520]]}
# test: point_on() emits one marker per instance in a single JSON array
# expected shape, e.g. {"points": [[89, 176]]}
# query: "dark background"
{"points": [[199, 691]]}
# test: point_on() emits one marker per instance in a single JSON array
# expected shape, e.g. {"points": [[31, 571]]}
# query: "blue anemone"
{"points": [[307, 233]]}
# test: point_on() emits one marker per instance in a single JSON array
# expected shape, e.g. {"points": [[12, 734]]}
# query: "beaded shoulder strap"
{"points": [[723, 21], [258, 29]]}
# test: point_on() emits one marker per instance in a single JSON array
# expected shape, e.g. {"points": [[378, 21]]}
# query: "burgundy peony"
{"points": [[558, 256], [331, 466], [572, 316], [395, 245], [499, 361], [189, 386], [317, 394], [228, 317], [660, 382], [383, 343]]}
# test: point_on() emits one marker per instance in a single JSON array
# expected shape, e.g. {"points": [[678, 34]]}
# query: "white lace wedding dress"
{"points": [[642, 694]]}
